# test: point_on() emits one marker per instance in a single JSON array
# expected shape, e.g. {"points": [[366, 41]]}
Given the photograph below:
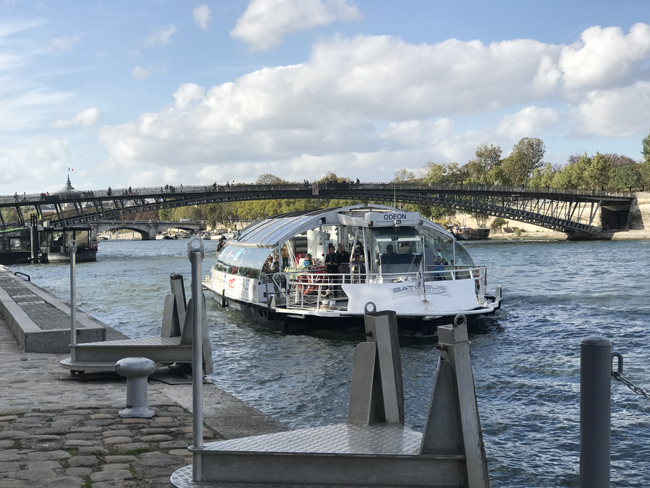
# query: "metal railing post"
{"points": [[195, 252], [72, 246], [595, 412]]}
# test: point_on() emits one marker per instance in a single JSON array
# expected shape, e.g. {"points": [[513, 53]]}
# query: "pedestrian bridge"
{"points": [[571, 211], [148, 229]]}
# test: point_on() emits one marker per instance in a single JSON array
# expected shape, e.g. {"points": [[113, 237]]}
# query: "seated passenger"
{"points": [[438, 268], [307, 262], [268, 264]]}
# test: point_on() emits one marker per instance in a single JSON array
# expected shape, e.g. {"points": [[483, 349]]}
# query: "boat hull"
{"points": [[300, 321]]}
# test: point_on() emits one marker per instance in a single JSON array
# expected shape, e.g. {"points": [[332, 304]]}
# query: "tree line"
{"points": [[524, 166]]}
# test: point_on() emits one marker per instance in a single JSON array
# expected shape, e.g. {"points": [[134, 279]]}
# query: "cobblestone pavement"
{"points": [[59, 431]]}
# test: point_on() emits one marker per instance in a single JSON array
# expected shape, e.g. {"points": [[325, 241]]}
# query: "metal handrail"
{"points": [[301, 284]]}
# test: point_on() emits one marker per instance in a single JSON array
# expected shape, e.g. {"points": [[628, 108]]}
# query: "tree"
{"points": [[628, 177], [269, 179], [597, 175], [487, 157], [434, 173], [646, 149], [403, 175], [542, 177], [525, 156]]}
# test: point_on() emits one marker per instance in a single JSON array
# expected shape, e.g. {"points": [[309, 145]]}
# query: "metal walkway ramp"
{"points": [[173, 346], [373, 448]]}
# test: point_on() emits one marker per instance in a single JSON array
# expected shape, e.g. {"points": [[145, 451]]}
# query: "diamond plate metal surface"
{"points": [[141, 341], [333, 439], [183, 478]]}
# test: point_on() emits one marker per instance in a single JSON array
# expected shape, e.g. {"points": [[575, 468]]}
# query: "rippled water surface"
{"points": [[526, 364]]}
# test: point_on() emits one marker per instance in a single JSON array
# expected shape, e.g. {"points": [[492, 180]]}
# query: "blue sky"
{"points": [[146, 93]]}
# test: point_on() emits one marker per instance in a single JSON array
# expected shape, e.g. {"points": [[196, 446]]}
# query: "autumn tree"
{"points": [[403, 175]]}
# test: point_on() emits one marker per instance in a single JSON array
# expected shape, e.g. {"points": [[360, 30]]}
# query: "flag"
{"points": [[70, 169]]}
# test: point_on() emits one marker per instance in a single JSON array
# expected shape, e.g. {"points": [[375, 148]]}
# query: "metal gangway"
{"points": [[373, 448], [173, 346]]}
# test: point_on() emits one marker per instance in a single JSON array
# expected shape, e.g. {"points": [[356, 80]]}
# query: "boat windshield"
{"points": [[242, 261]]}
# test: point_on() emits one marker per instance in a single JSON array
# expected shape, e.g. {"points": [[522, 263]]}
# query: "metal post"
{"points": [[595, 412], [195, 252], [72, 246]]}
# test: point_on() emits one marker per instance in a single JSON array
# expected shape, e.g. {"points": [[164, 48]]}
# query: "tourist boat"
{"points": [[38, 244], [407, 264]]}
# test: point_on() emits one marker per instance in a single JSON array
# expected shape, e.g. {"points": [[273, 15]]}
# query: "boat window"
{"points": [[398, 249], [449, 249], [242, 261]]}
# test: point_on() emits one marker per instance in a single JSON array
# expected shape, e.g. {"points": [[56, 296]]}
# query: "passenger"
{"points": [[332, 263], [438, 268], [344, 258], [389, 249], [276, 265], [358, 269], [285, 256], [222, 244], [268, 264], [307, 262]]}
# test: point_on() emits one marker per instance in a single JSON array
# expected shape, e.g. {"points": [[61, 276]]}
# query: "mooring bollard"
{"points": [[136, 371], [595, 412]]}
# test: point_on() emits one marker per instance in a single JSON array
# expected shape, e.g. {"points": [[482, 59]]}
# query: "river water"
{"points": [[526, 362]]}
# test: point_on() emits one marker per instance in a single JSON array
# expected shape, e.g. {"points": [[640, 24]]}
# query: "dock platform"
{"points": [[40, 321]]}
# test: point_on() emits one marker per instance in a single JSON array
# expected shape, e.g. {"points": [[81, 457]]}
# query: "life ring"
{"points": [[94, 246]]}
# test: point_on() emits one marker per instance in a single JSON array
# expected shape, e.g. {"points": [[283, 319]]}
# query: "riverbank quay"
{"points": [[60, 430]]}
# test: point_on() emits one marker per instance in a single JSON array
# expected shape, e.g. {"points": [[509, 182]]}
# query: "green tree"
{"points": [[487, 158], [166, 214], [434, 173], [543, 177], [597, 175], [646, 149], [525, 156], [269, 179], [628, 177]]}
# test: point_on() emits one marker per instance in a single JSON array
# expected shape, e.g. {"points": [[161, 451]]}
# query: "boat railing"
{"points": [[311, 288]]}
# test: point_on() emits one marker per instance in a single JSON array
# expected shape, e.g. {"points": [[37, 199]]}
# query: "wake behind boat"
{"points": [[284, 271]]}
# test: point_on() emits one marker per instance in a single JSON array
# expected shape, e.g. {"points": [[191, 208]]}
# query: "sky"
{"points": [[145, 93]]}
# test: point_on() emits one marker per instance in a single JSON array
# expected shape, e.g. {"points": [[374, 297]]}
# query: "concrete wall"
{"points": [[639, 218]]}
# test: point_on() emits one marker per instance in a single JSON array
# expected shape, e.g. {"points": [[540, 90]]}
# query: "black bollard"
{"points": [[595, 412]]}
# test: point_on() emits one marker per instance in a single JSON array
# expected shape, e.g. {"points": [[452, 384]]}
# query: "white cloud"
{"points": [[202, 16], [85, 118], [161, 37], [603, 57], [49, 149], [63, 43], [528, 122], [615, 113], [265, 22], [140, 73], [377, 101], [188, 93]]}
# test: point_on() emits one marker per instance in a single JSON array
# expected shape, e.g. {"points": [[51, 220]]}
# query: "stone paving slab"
{"points": [[60, 430]]}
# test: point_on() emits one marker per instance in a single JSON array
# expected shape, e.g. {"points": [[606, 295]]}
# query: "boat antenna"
{"points": [[394, 196]]}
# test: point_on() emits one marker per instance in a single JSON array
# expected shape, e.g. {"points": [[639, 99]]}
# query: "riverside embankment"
{"points": [[59, 430]]}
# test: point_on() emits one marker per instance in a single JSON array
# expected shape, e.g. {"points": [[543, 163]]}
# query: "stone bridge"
{"points": [[148, 229]]}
